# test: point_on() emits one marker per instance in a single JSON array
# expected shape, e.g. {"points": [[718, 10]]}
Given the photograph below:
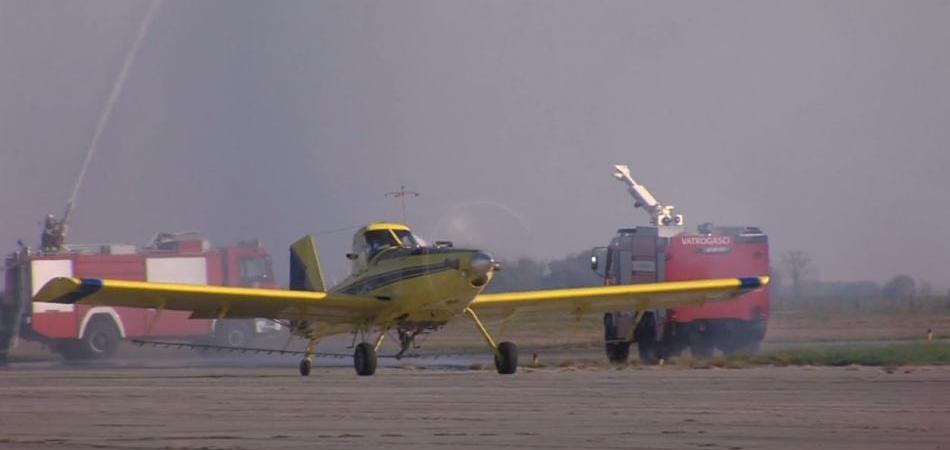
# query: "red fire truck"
{"points": [[666, 252], [83, 332]]}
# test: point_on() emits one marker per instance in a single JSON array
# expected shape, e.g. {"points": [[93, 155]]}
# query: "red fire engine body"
{"points": [[641, 255], [665, 252], [78, 332]]}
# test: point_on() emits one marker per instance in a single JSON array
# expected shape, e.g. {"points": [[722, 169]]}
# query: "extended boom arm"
{"points": [[659, 214]]}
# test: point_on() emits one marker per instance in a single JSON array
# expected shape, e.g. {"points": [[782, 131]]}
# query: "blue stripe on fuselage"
{"points": [[372, 283]]}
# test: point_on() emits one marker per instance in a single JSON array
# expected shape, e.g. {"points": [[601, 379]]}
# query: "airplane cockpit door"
{"points": [[359, 258]]}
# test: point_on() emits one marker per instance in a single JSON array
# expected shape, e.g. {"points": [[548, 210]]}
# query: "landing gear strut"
{"points": [[506, 353], [407, 340]]}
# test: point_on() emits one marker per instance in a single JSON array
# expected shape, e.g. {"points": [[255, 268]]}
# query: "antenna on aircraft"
{"points": [[401, 194]]}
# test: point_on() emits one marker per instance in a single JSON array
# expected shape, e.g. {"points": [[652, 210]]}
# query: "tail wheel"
{"points": [[305, 366], [506, 358], [364, 359]]}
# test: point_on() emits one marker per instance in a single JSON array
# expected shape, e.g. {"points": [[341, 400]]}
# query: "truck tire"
{"points": [[645, 335], [674, 341], [100, 340], [647, 353], [702, 350], [701, 342], [618, 352], [742, 337], [742, 344], [232, 333]]}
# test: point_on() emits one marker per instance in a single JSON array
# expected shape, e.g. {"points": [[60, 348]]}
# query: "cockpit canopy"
{"points": [[376, 237], [378, 240]]}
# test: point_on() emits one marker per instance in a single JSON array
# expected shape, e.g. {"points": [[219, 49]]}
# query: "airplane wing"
{"points": [[208, 302], [616, 298]]}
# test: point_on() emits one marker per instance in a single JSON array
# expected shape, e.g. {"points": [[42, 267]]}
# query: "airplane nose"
{"points": [[479, 266]]}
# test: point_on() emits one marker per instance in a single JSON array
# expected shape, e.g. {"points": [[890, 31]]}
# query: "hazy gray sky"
{"points": [[826, 123]]}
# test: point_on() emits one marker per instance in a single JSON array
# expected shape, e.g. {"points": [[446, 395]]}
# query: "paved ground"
{"points": [[262, 408]]}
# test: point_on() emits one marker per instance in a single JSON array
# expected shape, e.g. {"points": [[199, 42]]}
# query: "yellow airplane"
{"points": [[397, 283]]}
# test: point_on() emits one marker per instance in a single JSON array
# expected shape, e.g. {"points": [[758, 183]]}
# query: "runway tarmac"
{"points": [[401, 408]]}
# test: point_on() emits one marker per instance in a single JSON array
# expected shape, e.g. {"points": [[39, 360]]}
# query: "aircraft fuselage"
{"points": [[423, 284]]}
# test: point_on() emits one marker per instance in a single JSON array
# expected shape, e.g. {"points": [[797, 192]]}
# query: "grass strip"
{"points": [[889, 355]]}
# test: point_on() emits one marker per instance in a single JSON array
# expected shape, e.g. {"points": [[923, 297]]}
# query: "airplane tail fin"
{"points": [[305, 272]]}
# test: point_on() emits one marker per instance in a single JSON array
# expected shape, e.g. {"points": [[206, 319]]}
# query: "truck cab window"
{"points": [[256, 269]]}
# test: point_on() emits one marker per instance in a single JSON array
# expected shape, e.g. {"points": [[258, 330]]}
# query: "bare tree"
{"points": [[797, 265], [925, 289], [901, 287]]}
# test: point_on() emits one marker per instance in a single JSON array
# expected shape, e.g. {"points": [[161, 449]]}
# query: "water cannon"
{"points": [[660, 214]]}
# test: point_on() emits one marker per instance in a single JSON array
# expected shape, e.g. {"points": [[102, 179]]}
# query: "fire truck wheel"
{"points": [[618, 352], [645, 334], [506, 359], [101, 339], [701, 341], [647, 351], [232, 333], [701, 350]]}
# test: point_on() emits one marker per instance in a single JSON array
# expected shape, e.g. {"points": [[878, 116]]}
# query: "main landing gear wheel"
{"points": [[305, 366], [506, 358], [364, 359]]}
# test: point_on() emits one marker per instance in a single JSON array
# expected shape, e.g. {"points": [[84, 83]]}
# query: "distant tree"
{"points": [[797, 265], [776, 279], [526, 274], [901, 287], [523, 274], [843, 289], [776, 292], [570, 271], [925, 289]]}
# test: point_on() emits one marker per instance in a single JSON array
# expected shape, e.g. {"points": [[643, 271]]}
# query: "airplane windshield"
{"points": [[408, 239], [378, 240]]}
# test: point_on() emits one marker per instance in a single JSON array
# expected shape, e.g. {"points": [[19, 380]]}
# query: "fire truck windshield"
{"points": [[620, 268], [256, 269]]}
